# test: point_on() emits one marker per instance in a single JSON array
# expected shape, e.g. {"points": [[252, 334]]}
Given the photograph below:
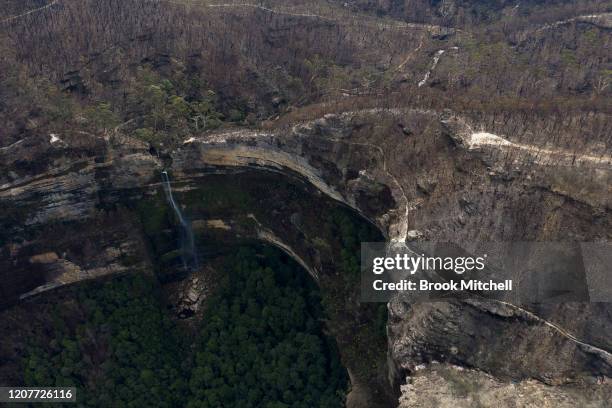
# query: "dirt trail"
{"points": [[606, 355], [363, 20], [601, 19], [9, 19]]}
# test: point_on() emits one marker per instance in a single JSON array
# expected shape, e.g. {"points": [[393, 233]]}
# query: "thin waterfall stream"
{"points": [[187, 242]]}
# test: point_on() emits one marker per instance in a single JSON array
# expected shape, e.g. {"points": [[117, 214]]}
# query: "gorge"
{"points": [[158, 160], [223, 182]]}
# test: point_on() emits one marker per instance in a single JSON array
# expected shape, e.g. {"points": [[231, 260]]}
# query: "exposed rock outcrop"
{"points": [[63, 205], [447, 386]]}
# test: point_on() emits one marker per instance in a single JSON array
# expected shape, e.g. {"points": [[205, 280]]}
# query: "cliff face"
{"points": [[448, 386], [448, 182], [439, 180], [68, 218], [451, 121]]}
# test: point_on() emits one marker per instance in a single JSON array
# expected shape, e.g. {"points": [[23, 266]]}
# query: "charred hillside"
{"points": [[311, 127]]}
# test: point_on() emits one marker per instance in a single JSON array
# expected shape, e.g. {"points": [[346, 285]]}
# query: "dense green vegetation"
{"points": [[261, 344], [358, 327], [123, 351]]}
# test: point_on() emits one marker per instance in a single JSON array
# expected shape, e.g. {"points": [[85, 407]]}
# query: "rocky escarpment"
{"points": [[448, 386], [443, 178], [55, 229], [485, 335], [81, 200], [502, 186], [414, 173]]}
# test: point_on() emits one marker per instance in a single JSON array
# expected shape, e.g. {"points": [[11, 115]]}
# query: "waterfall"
{"points": [[187, 241]]}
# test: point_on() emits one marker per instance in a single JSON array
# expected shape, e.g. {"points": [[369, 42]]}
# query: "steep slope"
{"points": [[450, 121]]}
